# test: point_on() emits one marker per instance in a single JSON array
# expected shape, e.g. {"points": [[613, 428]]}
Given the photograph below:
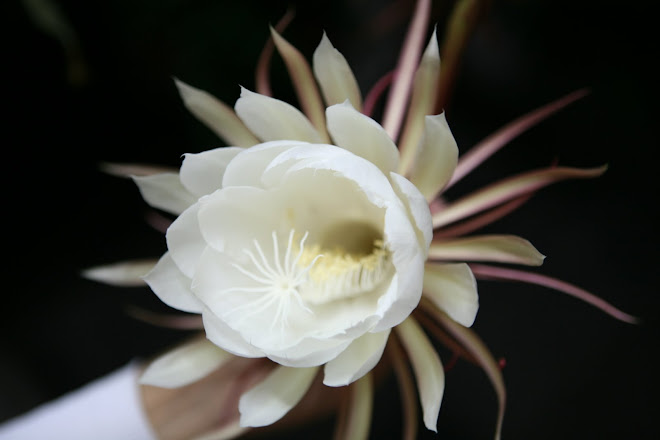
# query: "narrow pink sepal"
{"points": [[487, 147], [128, 170], [262, 81], [510, 188], [482, 220], [397, 100], [376, 92], [180, 322], [487, 272], [476, 347], [407, 392]]}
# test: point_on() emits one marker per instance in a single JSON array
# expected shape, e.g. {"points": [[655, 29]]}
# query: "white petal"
{"points": [[247, 168], [125, 273], [218, 116], [172, 286], [271, 119], [185, 241], [165, 191], [226, 338], [202, 173], [335, 75], [428, 370], [362, 135], [184, 365], [357, 360], [270, 400], [453, 289], [418, 208], [499, 248], [437, 157]]}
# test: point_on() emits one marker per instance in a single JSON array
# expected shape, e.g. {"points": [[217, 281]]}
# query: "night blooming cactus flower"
{"points": [[319, 232]]}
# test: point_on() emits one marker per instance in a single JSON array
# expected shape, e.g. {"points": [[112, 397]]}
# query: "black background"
{"points": [[571, 373]]}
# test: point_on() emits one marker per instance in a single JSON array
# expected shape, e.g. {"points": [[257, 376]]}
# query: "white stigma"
{"points": [[277, 281]]}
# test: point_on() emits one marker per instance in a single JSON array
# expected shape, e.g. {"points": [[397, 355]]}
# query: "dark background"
{"points": [[572, 372]]}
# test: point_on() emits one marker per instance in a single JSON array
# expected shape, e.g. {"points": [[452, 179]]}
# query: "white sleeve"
{"points": [[107, 409]]}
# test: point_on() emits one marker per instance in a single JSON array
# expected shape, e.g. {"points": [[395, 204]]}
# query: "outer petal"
{"points": [[172, 286], [202, 173], [218, 116], [270, 400], [125, 273], [362, 136], [428, 370], [184, 365], [499, 248], [335, 75], [226, 338], [453, 289], [417, 207], [247, 168], [165, 191], [271, 119], [185, 241], [437, 157], [357, 360]]}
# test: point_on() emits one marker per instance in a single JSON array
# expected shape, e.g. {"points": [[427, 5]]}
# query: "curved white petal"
{"points": [[418, 208], [437, 157], [172, 286], [453, 289], [124, 273], [362, 136], [165, 191], [226, 338], [357, 360], [185, 241], [335, 75], [271, 119], [428, 370], [184, 364], [499, 248], [202, 173], [218, 116], [271, 399], [247, 167]]}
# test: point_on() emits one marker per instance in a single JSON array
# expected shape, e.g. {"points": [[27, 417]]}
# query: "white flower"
{"points": [[295, 251]]}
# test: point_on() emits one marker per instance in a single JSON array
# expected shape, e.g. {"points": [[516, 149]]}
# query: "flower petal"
{"points": [[362, 136], [165, 191], [184, 365], [303, 83], [405, 69], [271, 119], [271, 399], [172, 286], [185, 241], [428, 370], [452, 288], [335, 75], [422, 103], [355, 418], [226, 338], [499, 248], [217, 115], [417, 208], [124, 273], [508, 189], [436, 159], [475, 346], [357, 360], [202, 173]]}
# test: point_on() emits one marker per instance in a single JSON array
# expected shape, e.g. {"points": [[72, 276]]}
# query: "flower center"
{"points": [[354, 261]]}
